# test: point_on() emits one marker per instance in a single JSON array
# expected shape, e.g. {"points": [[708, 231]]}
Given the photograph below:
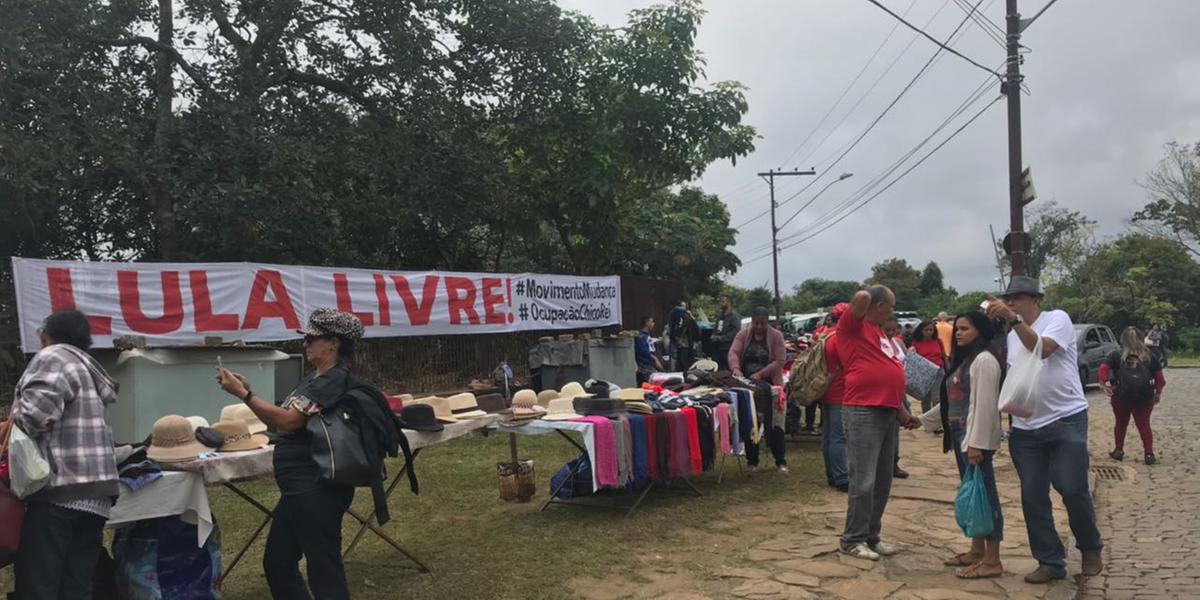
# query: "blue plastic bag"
{"points": [[972, 509]]}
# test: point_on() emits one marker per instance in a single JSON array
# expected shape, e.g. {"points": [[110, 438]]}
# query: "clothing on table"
{"points": [[138, 475], [930, 350], [874, 373], [641, 469], [871, 433], [705, 423], [59, 548], [651, 432], [958, 429], [1059, 391], [776, 354], [606, 465], [723, 433], [662, 436], [308, 524], [945, 334], [696, 461]]}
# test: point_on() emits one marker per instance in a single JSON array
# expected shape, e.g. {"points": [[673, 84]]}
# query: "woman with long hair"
{"points": [[971, 420], [1133, 377], [926, 343]]}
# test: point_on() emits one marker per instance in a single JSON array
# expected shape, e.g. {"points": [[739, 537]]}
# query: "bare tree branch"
{"points": [[151, 44], [334, 85]]}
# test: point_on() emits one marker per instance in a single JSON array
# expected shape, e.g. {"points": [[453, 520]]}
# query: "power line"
{"points": [[985, 24], [850, 86], [934, 40]]}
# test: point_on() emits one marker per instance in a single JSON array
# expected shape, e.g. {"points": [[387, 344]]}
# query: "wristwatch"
{"points": [[1015, 320], [248, 396]]}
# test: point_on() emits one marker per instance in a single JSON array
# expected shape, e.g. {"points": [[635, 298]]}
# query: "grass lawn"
{"points": [[478, 546], [1183, 360]]}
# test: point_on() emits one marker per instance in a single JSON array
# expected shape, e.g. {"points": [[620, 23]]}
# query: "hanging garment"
{"points": [[651, 446], [722, 417], [695, 460], [637, 429], [704, 420], [607, 473], [663, 440]]}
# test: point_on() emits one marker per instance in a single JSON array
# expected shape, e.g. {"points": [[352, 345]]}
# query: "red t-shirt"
{"points": [[931, 350], [833, 363], [874, 374]]}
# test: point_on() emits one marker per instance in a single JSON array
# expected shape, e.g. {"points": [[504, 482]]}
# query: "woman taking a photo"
{"points": [[971, 420], [1133, 378]]}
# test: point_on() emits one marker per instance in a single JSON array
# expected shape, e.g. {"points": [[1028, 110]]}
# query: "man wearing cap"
{"points": [[1050, 447], [873, 411]]}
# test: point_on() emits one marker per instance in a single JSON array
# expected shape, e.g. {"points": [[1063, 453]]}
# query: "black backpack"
{"points": [[1135, 383]]}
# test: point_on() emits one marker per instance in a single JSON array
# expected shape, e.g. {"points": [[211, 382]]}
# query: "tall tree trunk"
{"points": [[164, 92]]}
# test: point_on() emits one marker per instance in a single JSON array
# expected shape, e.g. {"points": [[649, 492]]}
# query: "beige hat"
{"points": [[705, 365], [545, 396], [573, 390], [241, 412], [561, 409], [632, 395], [441, 408], [520, 415], [238, 437], [638, 407], [173, 439], [464, 406], [197, 422], [525, 399]]}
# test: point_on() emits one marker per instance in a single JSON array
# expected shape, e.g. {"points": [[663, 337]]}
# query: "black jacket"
{"points": [[727, 328]]}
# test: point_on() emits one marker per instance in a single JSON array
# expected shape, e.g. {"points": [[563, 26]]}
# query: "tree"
{"points": [[903, 280], [932, 280], [1174, 188], [1060, 240], [813, 294], [759, 296]]}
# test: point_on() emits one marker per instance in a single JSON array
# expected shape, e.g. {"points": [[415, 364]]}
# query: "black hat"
{"points": [[600, 407], [330, 321], [1021, 284], [491, 403], [419, 417]]}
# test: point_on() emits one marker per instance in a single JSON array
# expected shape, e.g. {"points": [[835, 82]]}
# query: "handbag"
{"points": [[27, 468], [337, 447], [972, 509], [1017, 395], [920, 376], [12, 510]]}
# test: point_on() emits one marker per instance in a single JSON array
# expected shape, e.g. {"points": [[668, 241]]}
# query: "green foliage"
{"points": [[1174, 189], [903, 280], [814, 294], [931, 280]]}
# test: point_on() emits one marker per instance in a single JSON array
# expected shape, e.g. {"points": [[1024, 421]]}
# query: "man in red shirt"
{"points": [[872, 413]]}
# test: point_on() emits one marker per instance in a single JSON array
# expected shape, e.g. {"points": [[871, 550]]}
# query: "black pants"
{"points": [[309, 525], [59, 549], [765, 406], [810, 415]]}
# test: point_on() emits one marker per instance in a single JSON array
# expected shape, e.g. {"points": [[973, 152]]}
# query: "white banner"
{"points": [[180, 303]]}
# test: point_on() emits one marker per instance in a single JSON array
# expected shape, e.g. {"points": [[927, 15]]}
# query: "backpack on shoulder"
{"points": [[1135, 383], [809, 378]]}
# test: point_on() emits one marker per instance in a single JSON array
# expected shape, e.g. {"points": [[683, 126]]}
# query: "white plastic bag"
{"points": [[1018, 394], [28, 469]]}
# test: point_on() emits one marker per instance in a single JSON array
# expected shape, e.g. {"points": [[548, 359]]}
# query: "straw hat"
{"points": [[561, 409], [174, 440], [464, 406], [573, 390], [441, 408], [525, 399], [705, 365], [632, 395], [241, 412], [197, 422], [238, 437], [638, 407], [545, 396], [520, 415]]}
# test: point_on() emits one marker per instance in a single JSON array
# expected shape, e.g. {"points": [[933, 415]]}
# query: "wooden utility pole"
{"points": [[770, 177]]}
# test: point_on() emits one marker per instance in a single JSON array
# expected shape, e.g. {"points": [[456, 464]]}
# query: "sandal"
{"points": [[974, 572], [962, 560]]}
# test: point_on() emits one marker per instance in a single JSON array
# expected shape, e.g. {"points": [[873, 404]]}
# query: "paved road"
{"points": [[1151, 522]]}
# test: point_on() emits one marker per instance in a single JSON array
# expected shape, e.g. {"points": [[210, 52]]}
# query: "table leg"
{"points": [[385, 537], [257, 532], [362, 530]]}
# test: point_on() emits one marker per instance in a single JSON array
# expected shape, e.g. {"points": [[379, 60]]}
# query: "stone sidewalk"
{"points": [[1151, 520], [804, 563]]}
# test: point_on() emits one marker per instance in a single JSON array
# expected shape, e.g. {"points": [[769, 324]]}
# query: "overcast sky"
{"points": [[1109, 83]]}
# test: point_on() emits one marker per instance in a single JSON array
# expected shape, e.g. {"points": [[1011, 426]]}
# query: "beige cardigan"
{"points": [[983, 417]]}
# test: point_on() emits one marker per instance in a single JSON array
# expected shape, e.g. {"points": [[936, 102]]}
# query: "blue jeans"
{"points": [[833, 445], [958, 432], [1057, 455]]}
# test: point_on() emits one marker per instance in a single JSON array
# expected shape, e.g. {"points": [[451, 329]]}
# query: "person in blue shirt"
{"points": [[645, 353]]}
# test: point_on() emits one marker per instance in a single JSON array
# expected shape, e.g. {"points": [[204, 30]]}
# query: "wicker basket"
{"points": [[516, 481]]}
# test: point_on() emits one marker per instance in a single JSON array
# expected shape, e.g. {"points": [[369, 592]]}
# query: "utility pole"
{"points": [[770, 177], [1018, 242]]}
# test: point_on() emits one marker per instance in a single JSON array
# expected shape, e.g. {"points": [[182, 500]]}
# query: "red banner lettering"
{"points": [[201, 298], [418, 314], [62, 297], [385, 311], [491, 300], [259, 308], [460, 292], [131, 305]]}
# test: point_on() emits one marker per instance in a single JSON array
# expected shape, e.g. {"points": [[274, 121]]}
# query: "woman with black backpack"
{"points": [[1133, 378]]}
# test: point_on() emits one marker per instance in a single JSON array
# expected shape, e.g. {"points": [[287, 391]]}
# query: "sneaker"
{"points": [[860, 550], [1093, 564], [1117, 455], [1150, 459], [883, 548], [782, 469], [1046, 574]]}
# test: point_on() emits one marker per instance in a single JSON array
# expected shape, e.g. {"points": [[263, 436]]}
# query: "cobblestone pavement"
{"points": [[1151, 521]]}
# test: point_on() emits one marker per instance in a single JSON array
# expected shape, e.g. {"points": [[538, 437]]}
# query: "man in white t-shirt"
{"points": [[1050, 447]]}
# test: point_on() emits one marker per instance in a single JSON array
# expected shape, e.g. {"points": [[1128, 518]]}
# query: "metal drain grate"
{"points": [[1109, 473]]}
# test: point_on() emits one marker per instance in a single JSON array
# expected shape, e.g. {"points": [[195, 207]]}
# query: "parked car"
{"points": [[1094, 343]]}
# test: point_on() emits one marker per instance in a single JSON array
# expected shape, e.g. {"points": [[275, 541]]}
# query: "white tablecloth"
{"points": [[540, 427]]}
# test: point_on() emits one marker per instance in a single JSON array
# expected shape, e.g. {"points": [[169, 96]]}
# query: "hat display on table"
{"points": [[599, 407], [209, 437], [492, 403], [441, 408], [545, 396], [632, 395], [173, 440], [330, 321], [1023, 284], [520, 415], [241, 412], [599, 388], [420, 417], [638, 407], [198, 422], [561, 409], [705, 365], [238, 437], [464, 406], [525, 399], [573, 390]]}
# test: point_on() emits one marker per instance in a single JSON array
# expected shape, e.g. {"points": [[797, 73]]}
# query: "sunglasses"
{"points": [[308, 339]]}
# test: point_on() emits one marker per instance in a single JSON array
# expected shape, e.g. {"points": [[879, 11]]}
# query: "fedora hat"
{"points": [[1022, 284], [241, 412], [198, 422], [639, 407], [420, 417], [441, 408], [173, 440], [525, 399], [520, 415], [561, 409], [705, 365], [573, 390], [545, 396], [238, 437], [599, 407], [464, 406], [632, 395], [492, 403]]}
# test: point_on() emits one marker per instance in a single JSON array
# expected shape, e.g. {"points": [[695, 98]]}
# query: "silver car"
{"points": [[1094, 343]]}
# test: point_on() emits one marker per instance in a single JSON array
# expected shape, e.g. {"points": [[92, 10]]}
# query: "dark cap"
{"points": [[1021, 284], [419, 417], [330, 321]]}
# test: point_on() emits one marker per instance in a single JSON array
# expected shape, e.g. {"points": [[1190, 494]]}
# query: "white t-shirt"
{"points": [[1060, 393]]}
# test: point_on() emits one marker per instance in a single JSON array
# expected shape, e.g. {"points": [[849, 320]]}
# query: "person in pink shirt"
{"points": [[758, 354]]}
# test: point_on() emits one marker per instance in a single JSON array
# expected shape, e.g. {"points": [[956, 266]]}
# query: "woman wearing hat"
{"points": [[308, 519], [59, 403]]}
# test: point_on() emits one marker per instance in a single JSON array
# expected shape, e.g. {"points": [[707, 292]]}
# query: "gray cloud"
{"points": [[1110, 82]]}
